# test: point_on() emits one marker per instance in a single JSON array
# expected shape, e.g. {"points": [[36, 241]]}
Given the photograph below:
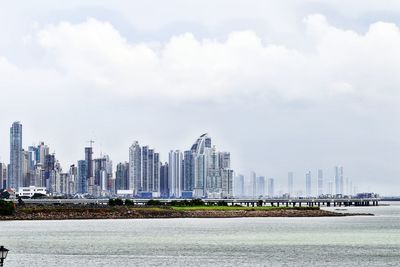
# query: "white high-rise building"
{"points": [[201, 151], [135, 168], [144, 171], [175, 175]]}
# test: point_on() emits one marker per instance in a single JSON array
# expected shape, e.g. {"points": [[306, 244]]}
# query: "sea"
{"points": [[326, 241]]}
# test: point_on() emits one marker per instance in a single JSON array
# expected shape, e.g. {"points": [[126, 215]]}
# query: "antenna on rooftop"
{"points": [[91, 142]]}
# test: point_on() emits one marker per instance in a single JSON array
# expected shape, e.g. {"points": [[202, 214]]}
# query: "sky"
{"points": [[283, 85]]}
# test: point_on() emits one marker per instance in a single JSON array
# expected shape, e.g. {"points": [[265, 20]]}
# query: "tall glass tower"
{"points": [[15, 176]]}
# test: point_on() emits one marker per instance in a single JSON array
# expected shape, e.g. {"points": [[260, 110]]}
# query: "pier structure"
{"points": [[278, 202]]}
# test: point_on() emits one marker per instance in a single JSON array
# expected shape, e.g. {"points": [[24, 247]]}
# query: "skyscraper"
{"points": [[82, 177], [25, 169], [72, 179], [188, 171], [330, 188], [308, 184], [156, 179], [271, 189], [102, 172], [15, 175], [89, 165], [290, 183], [320, 183], [260, 187], [164, 188], [253, 185], [3, 176], [227, 183], [201, 150], [339, 179], [175, 173], [239, 186], [122, 176], [144, 171], [135, 167]]}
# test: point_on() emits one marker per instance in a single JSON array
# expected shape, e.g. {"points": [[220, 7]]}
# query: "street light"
{"points": [[3, 255]]}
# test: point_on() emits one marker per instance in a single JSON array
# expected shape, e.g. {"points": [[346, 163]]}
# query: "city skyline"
{"points": [[269, 79], [200, 133], [196, 173]]}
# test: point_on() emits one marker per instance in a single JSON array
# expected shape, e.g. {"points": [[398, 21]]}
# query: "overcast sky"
{"points": [[282, 85]]}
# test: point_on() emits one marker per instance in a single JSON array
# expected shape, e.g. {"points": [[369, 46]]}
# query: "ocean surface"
{"points": [[327, 241]]}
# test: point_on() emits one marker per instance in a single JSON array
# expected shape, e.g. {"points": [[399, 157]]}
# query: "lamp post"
{"points": [[3, 255]]}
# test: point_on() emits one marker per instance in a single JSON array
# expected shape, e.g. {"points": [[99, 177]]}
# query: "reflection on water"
{"points": [[328, 241]]}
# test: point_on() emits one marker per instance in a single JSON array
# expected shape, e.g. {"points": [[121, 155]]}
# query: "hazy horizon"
{"points": [[282, 86]]}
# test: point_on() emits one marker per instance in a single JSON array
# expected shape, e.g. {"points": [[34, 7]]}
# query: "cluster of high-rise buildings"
{"points": [[258, 186], [199, 172]]}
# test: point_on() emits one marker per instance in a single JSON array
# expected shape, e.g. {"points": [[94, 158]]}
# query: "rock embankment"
{"points": [[84, 212]]}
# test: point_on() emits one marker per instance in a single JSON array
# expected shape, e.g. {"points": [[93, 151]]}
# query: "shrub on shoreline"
{"points": [[154, 202], [129, 202], [115, 202], [6, 208], [186, 203]]}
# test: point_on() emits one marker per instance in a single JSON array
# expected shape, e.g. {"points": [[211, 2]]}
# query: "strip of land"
{"points": [[75, 212]]}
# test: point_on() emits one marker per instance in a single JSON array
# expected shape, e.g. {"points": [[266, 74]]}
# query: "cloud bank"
{"points": [[90, 70]]}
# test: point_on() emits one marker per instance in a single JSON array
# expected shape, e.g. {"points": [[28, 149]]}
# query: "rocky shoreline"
{"points": [[80, 213]]}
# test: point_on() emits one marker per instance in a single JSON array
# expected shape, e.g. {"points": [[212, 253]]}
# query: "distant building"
{"points": [[308, 184], [330, 188], [135, 167], [72, 180], [103, 174], [239, 186], [175, 174], [122, 176], [320, 183], [89, 166], [82, 186], [271, 189], [3, 176], [260, 187], [144, 171], [253, 185], [201, 151], [15, 174], [164, 186], [339, 179], [188, 171]]}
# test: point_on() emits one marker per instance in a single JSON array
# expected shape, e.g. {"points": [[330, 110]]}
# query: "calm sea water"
{"points": [[344, 241]]}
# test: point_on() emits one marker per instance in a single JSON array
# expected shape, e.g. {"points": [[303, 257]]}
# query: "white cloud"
{"points": [[89, 77], [187, 68]]}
